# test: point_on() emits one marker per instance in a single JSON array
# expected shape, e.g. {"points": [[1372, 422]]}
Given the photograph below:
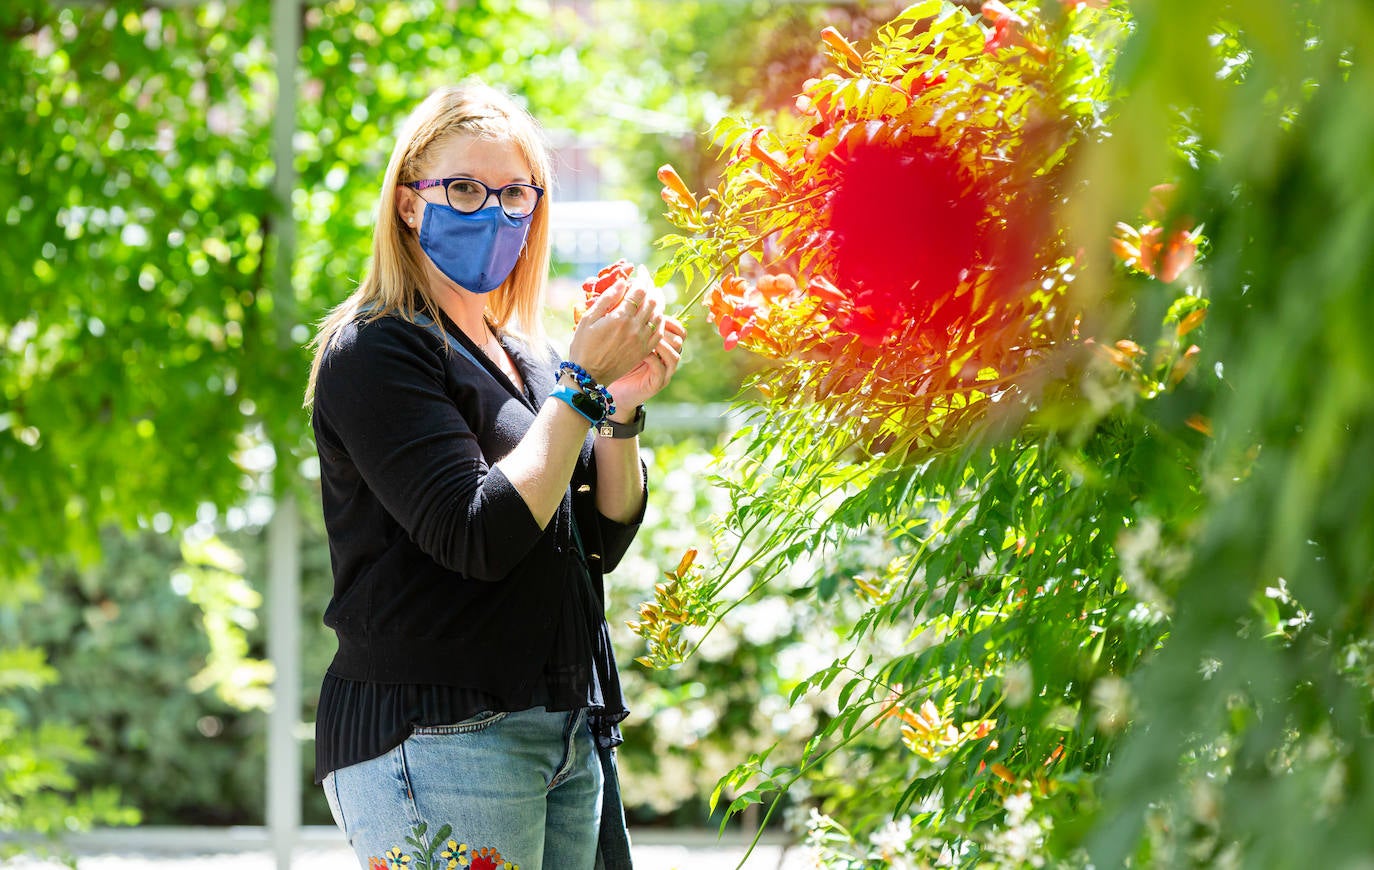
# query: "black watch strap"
{"points": [[609, 428]]}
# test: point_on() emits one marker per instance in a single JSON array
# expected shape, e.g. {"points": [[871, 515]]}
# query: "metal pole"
{"points": [[283, 648], [283, 588]]}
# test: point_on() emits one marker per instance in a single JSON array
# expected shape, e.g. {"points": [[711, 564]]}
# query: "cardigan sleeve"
{"points": [[615, 537], [380, 398]]}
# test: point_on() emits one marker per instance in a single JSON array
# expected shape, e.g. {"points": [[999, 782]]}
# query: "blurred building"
{"points": [[589, 230]]}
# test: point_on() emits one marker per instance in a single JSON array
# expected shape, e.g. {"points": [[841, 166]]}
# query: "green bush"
{"points": [[126, 639]]}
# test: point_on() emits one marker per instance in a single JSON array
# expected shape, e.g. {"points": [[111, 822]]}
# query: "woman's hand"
{"points": [[619, 483], [653, 373], [620, 334]]}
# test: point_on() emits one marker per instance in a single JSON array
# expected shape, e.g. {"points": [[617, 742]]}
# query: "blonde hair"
{"points": [[395, 282]]}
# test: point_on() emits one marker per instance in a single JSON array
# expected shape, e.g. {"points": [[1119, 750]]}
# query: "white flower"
{"points": [[1018, 684], [1017, 807], [1279, 593], [819, 821], [893, 838], [1112, 697], [1021, 844]]}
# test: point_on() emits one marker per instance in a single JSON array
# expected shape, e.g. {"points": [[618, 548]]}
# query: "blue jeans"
{"points": [[499, 791]]}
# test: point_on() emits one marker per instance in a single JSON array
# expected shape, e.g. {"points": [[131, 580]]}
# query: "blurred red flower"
{"points": [[907, 225], [1165, 257], [1007, 27]]}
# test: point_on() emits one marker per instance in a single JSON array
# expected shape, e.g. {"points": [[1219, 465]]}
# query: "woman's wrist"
{"points": [[588, 387], [579, 368]]}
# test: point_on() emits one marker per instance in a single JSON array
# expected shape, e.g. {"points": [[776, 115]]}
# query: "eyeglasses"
{"points": [[468, 195]]}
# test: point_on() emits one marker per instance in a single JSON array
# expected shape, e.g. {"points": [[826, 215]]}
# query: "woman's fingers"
{"points": [[642, 311], [628, 327], [670, 340], [607, 301], [668, 348], [635, 303], [678, 337]]}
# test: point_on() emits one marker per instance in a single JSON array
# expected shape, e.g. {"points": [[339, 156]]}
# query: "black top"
{"points": [[448, 598]]}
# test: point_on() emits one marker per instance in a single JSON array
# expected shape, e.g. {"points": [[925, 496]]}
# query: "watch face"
{"points": [[609, 428]]}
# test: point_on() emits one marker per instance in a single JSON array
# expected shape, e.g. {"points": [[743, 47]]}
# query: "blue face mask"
{"points": [[476, 251]]}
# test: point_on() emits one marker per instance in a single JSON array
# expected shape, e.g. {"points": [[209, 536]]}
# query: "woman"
{"points": [[468, 716]]}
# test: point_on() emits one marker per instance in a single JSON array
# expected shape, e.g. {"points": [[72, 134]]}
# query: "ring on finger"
{"points": [[633, 303]]}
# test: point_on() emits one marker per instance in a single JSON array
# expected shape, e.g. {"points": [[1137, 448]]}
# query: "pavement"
{"points": [[323, 849]]}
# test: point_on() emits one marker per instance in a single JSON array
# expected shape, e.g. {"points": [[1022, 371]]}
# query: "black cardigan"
{"points": [[441, 575]]}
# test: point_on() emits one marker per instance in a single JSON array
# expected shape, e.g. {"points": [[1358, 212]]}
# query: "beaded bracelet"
{"points": [[588, 384]]}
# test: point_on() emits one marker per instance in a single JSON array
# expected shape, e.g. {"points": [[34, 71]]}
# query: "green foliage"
{"points": [[159, 651], [1274, 605], [689, 723], [1130, 620], [38, 793], [212, 579], [137, 228], [117, 635]]}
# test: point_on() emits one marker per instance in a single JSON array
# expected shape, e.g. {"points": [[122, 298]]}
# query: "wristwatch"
{"points": [[609, 428]]}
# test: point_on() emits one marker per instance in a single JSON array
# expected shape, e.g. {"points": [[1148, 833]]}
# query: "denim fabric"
{"points": [[613, 852], [516, 790]]}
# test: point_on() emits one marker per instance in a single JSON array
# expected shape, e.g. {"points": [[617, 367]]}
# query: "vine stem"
{"points": [[807, 764], [729, 575]]}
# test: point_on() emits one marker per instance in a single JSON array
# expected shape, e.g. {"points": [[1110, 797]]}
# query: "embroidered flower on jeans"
{"points": [[456, 855], [490, 859], [441, 854]]}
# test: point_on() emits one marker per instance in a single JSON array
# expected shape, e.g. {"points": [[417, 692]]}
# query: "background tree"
{"points": [[145, 383]]}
